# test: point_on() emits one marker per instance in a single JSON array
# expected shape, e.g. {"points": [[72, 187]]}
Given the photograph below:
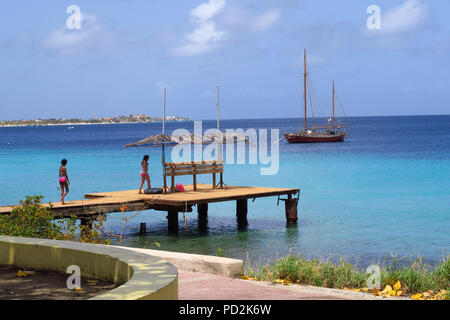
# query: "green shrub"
{"points": [[219, 252], [310, 272], [32, 220], [414, 276]]}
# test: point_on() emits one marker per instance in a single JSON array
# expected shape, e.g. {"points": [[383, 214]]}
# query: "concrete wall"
{"points": [[197, 262], [141, 276]]}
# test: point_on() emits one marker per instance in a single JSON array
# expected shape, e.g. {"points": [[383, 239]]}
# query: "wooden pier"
{"points": [[96, 205]]}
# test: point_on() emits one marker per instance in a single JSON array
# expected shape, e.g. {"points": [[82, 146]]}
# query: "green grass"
{"points": [[219, 252], [415, 276]]}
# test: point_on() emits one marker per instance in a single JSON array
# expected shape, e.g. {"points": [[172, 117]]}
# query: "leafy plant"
{"points": [[32, 220], [413, 277], [219, 252]]}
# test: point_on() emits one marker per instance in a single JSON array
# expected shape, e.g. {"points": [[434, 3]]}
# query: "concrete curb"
{"points": [[140, 276], [198, 263]]}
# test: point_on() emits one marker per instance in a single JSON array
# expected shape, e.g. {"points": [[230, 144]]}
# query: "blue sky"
{"points": [[128, 50]]}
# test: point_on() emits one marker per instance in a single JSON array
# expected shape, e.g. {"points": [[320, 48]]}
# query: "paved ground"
{"points": [[46, 285], [201, 286]]}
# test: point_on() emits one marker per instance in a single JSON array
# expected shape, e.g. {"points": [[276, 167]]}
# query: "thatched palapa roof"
{"points": [[162, 139]]}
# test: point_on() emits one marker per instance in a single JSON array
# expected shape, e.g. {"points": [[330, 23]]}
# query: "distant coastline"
{"points": [[140, 118]]}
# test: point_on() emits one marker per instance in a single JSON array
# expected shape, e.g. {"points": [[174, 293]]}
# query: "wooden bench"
{"points": [[173, 169]]}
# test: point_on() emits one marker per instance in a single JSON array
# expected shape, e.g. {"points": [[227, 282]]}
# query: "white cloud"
{"points": [[192, 49], [205, 36], [266, 20], [243, 19], [404, 18], [90, 36], [208, 35], [207, 11], [202, 40], [205, 33]]}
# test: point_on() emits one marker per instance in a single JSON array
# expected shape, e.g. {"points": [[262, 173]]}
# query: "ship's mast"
{"points": [[304, 89], [333, 109]]}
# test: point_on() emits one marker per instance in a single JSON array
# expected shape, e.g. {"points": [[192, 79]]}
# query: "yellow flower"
{"points": [[417, 296], [399, 293], [392, 293], [397, 285], [387, 289], [20, 273]]}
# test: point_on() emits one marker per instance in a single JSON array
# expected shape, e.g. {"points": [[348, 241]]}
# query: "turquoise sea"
{"points": [[385, 190]]}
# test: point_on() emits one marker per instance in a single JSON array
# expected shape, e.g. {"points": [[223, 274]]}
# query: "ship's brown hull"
{"points": [[304, 138]]}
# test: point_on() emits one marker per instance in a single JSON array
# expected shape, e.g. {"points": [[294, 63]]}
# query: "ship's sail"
{"points": [[334, 131]]}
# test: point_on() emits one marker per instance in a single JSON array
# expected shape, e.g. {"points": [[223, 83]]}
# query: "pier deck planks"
{"points": [[107, 202]]}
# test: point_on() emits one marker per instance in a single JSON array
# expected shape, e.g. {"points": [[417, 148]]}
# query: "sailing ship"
{"points": [[332, 132]]}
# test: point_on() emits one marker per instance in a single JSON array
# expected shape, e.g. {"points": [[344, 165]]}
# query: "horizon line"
{"points": [[212, 119]]}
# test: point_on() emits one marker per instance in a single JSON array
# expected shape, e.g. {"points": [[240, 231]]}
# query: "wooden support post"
{"points": [[172, 217], [241, 208], [195, 182], [291, 210], [241, 214], [165, 184], [202, 209], [142, 228], [214, 180], [173, 183]]}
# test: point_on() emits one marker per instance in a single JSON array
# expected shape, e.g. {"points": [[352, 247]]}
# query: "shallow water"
{"points": [[385, 190]]}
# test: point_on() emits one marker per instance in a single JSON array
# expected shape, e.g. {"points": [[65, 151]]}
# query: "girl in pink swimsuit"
{"points": [[63, 180], [144, 173]]}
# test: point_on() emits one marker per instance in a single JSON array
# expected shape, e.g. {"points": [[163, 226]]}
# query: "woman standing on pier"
{"points": [[63, 180], [144, 173]]}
